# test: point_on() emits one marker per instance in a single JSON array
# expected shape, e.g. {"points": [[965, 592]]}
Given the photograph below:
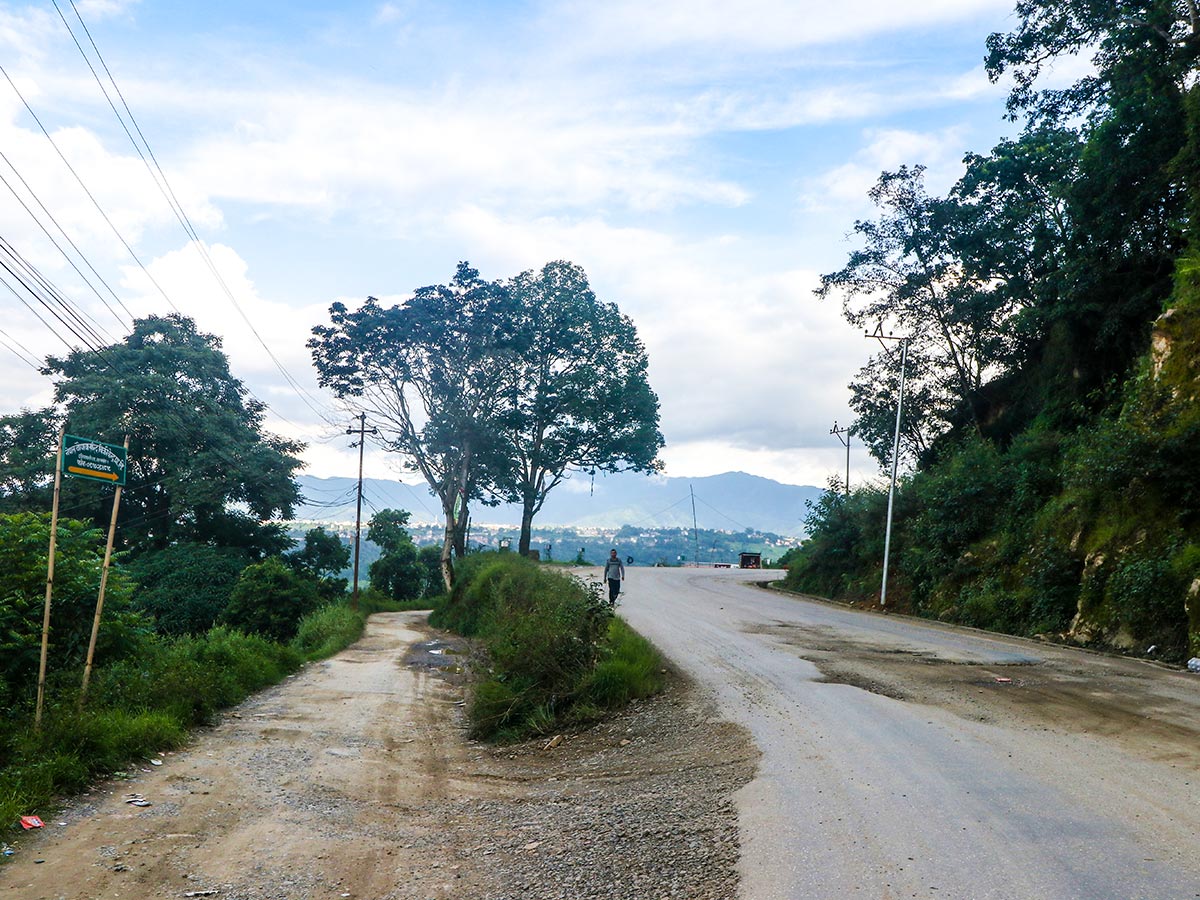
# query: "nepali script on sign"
{"points": [[87, 458]]}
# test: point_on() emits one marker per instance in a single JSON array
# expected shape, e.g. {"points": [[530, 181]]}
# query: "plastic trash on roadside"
{"points": [[1194, 664], [28, 822]]}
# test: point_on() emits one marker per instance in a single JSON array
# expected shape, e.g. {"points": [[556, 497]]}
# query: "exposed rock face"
{"points": [[1161, 342]]}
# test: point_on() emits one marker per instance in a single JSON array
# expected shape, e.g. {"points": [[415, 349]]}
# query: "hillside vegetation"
{"points": [[1052, 411]]}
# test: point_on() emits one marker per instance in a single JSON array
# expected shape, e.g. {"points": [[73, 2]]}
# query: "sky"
{"points": [[704, 162]]}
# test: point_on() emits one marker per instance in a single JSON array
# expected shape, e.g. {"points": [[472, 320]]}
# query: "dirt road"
{"points": [[354, 779], [904, 759]]}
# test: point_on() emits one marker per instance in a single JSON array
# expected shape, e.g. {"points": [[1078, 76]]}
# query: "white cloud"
{"points": [[846, 186], [751, 356], [755, 25]]}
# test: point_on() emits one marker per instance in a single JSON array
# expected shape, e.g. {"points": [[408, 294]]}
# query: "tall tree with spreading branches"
{"points": [[578, 398], [430, 373]]}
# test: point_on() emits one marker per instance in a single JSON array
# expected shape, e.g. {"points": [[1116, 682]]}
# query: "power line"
{"points": [[164, 186], [57, 246], [26, 356], [85, 189]]}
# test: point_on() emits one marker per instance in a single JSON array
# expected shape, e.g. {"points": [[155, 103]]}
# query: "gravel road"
{"points": [[354, 779], [907, 759]]}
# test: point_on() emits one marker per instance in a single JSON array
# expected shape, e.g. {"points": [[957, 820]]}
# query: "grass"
{"points": [[557, 654]]}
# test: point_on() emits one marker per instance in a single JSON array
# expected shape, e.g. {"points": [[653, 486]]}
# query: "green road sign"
{"points": [[86, 458]]}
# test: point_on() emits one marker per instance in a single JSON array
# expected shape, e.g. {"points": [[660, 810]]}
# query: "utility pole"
{"points": [[838, 432], [887, 535], [695, 530], [362, 432]]}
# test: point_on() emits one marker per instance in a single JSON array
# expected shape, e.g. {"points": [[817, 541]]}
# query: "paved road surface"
{"points": [[905, 759]]}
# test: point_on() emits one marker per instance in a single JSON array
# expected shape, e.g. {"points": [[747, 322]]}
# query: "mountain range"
{"points": [[733, 501]]}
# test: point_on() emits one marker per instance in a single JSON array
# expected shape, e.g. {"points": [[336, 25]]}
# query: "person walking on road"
{"points": [[614, 571]]}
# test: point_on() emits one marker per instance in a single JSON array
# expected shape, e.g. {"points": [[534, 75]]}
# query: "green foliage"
{"points": [[322, 558], [555, 650], [186, 586], [450, 347], [270, 599], [27, 442], [399, 573], [24, 548], [196, 441], [844, 546], [327, 630], [629, 669], [578, 394]]}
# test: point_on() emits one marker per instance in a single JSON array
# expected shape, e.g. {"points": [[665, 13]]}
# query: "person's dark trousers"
{"points": [[614, 588]]}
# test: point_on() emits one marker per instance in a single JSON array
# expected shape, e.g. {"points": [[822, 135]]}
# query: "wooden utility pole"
{"points": [[41, 688], [362, 432], [838, 432], [112, 530]]}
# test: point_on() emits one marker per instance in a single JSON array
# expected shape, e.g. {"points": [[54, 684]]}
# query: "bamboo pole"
{"points": [[41, 688], [112, 530]]}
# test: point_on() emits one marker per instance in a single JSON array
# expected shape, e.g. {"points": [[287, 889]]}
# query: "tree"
{"points": [[430, 374], [398, 573], [1130, 208], [186, 587], [579, 397], [197, 449], [910, 275], [27, 460], [270, 599], [322, 558]]}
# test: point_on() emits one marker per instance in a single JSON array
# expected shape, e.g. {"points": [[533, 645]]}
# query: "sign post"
{"points": [[41, 688], [92, 460], [112, 530]]}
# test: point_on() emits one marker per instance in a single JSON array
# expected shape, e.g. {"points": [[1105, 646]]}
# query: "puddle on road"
{"points": [[439, 655]]}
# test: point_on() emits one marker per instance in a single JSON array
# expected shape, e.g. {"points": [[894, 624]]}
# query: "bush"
{"points": [[270, 599], [630, 669], [328, 630], [24, 545], [556, 652], [186, 587]]}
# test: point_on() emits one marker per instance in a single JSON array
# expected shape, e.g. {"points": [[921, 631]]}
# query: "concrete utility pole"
{"points": [[887, 535], [695, 530], [838, 432], [362, 431]]}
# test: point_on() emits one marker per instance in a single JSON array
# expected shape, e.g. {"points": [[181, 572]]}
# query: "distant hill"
{"points": [[733, 501]]}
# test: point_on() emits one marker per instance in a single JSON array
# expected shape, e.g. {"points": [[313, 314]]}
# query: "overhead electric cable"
{"points": [[90, 196], [25, 356], [164, 186], [81, 318], [66, 256]]}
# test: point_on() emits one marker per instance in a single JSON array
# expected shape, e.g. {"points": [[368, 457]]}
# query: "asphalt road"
{"points": [[908, 759]]}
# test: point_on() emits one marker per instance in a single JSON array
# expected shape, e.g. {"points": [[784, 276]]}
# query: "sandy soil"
{"points": [[354, 778]]}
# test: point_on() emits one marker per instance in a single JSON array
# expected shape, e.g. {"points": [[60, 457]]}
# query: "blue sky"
{"points": [[703, 161]]}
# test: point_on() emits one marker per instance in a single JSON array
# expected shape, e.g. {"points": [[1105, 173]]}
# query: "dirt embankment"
{"points": [[354, 779]]}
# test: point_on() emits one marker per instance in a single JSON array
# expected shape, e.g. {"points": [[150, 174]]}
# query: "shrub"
{"points": [[270, 599], [328, 630], [186, 587], [24, 544], [556, 652]]}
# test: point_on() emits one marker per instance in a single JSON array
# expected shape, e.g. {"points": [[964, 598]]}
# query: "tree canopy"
{"points": [[429, 372], [494, 390], [201, 468], [579, 395]]}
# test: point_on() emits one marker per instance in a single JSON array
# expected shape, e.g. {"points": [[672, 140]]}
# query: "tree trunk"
{"points": [[528, 509], [526, 528], [447, 547], [460, 533]]}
